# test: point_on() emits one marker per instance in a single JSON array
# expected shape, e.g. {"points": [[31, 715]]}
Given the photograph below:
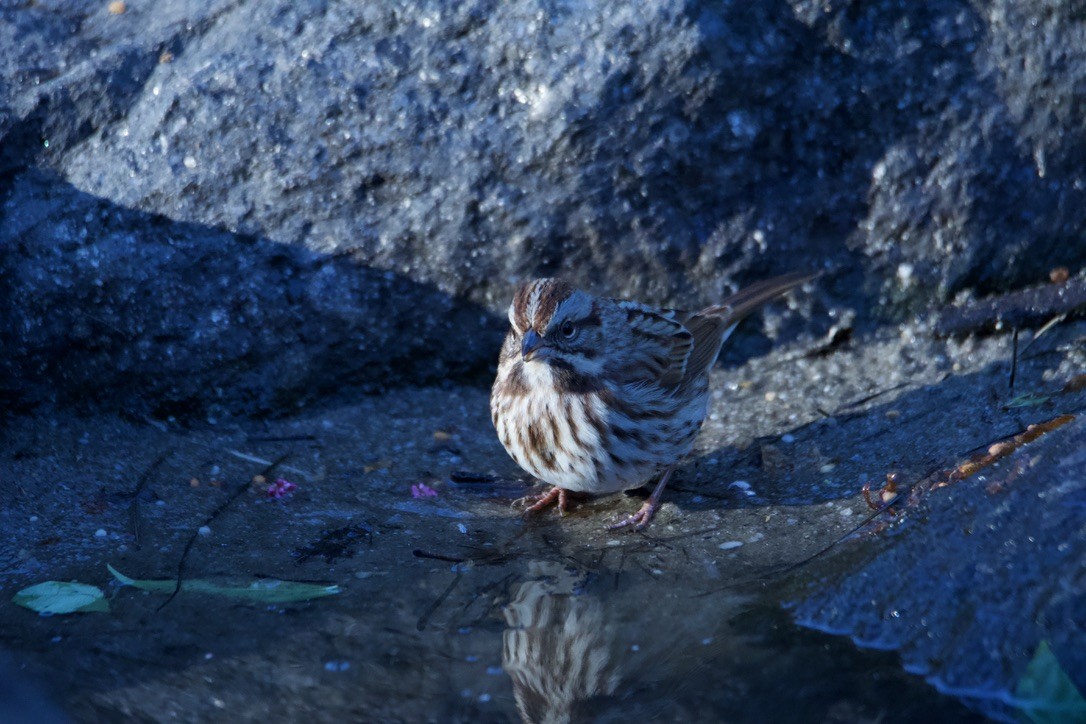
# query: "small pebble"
{"points": [[100, 533], [189, 162], [462, 528], [194, 483], [846, 512], [117, 7], [614, 542], [788, 438], [204, 530], [729, 545], [33, 519]]}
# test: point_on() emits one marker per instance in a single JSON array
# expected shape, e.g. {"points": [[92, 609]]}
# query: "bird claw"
{"points": [[537, 503], [639, 520]]}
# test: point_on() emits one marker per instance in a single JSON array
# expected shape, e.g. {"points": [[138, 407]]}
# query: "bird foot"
{"points": [[538, 503], [639, 520]]}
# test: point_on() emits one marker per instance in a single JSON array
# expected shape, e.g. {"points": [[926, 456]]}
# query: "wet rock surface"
{"points": [[233, 231], [975, 574], [449, 602]]}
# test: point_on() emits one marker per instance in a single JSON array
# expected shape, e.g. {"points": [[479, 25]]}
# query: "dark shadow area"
{"points": [[121, 309]]}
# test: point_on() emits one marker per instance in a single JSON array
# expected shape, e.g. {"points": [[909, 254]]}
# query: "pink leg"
{"points": [[641, 519], [537, 503]]}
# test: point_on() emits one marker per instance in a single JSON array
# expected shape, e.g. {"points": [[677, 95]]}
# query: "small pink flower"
{"points": [[280, 489], [422, 490]]}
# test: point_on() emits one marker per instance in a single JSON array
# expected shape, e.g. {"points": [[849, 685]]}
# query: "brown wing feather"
{"points": [[711, 326], [675, 346], [662, 345], [708, 336]]}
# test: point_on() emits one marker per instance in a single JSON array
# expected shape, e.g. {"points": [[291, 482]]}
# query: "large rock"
{"points": [[977, 576], [108, 304], [666, 149]]}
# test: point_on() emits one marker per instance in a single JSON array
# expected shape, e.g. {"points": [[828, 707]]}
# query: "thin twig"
{"points": [[1044, 328], [134, 507], [424, 619], [1014, 358], [210, 519], [419, 553]]}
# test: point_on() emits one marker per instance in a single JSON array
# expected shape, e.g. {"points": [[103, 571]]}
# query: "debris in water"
{"points": [[59, 597], [280, 489], [422, 490], [335, 544], [263, 590]]}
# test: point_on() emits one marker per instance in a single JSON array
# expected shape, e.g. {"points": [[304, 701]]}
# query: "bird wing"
{"points": [[712, 326], [659, 347], [670, 347], [708, 334]]}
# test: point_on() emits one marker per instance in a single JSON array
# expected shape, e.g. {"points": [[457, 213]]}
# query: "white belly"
{"points": [[579, 443]]}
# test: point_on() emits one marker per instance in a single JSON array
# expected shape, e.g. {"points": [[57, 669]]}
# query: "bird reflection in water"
{"points": [[557, 647]]}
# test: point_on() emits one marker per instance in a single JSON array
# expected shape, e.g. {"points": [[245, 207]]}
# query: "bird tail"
{"points": [[733, 309]]}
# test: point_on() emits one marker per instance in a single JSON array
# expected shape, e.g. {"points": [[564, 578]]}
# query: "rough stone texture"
{"points": [[978, 577], [664, 150], [244, 205], [682, 623], [166, 318]]}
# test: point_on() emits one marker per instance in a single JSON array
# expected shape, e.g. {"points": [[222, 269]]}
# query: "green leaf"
{"points": [[1046, 694], [263, 590], [53, 597], [1028, 400]]}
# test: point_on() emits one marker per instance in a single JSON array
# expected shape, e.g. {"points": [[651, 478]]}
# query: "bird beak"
{"points": [[532, 347]]}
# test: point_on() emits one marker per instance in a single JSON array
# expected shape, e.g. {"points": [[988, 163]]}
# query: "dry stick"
{"points": [[215, 514], [424, 619], [997, 451], [867, 398], [134, 508], [821, 552], [1044, 328], [1014, 359]]}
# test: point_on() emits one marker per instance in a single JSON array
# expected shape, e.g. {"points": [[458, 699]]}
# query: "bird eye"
{"points": [[567, 330]]}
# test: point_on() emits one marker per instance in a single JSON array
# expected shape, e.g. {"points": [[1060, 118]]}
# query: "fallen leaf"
{"points": [[1046, 694], [263, 590], [53, 597]]}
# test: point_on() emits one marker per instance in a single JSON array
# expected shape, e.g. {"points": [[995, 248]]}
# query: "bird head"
{"points": [[557, 325]]}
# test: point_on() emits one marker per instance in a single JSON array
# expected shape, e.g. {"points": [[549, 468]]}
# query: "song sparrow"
{"points": [[599, 395]]}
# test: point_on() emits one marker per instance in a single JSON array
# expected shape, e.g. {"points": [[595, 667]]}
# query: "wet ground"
{"points": [[453, 608]]}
